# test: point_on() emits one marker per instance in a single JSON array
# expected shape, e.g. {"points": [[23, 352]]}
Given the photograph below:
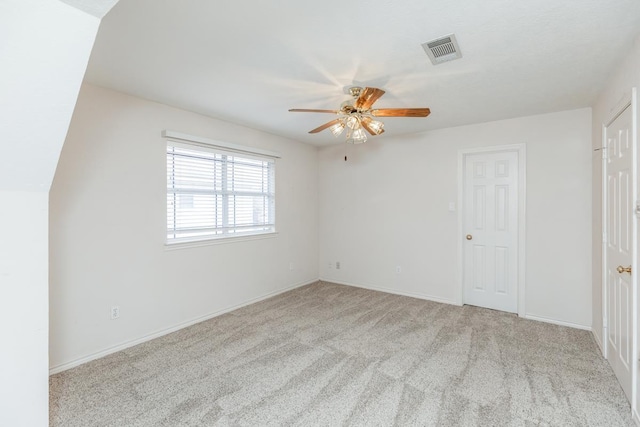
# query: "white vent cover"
{"points": [[442, 49]]}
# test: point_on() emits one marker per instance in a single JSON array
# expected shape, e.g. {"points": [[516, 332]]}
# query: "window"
{"points": [[212, 193]]}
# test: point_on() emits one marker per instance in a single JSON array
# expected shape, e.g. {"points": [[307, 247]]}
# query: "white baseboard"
{"points": [[157, 334], [393, 291], [558, 322], [451, 302], [77, 362]]}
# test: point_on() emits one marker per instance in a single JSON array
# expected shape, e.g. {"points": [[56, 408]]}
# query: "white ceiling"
{"points": [[249, 61]]}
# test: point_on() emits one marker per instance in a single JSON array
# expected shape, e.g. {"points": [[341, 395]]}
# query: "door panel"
{"points": [[619, 248], [502, 208], [479, 197], [490, 217], [625, 322], [502, 270]]}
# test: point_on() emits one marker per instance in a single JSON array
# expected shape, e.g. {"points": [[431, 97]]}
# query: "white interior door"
{"points": [[619, 247], [490, 230]]}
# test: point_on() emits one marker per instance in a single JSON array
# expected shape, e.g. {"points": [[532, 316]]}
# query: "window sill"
{"points": [[171, 246]]}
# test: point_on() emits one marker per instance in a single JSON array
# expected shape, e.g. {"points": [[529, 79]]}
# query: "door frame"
{"points": [[521, 151], [630, 100]]}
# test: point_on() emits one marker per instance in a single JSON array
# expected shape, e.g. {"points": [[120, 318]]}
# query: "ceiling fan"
{"points": [[356, 115]]}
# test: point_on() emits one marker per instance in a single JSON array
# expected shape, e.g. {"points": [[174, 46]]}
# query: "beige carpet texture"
{"points": [[333, 355]]}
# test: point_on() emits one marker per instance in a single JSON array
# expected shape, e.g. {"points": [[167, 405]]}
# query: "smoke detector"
{"points": [[442, 49]]}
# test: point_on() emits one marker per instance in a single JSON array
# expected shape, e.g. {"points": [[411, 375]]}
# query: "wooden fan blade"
{"points": [[401, 112], [367, 97], [307, 110], [324, 126], [368, 129]]}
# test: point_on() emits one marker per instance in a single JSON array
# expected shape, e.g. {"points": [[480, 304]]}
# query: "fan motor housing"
{"points": [[355, 91]]}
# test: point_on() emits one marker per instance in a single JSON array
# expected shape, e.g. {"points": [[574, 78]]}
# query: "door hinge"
{"points": [[604, 323], [604, 237], [638, 208]]}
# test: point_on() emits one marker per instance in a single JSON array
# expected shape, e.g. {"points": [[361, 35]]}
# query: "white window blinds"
{"points": [[213, 193]]}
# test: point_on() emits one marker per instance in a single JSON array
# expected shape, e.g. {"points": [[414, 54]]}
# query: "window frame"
{"points": [[224, 149]]}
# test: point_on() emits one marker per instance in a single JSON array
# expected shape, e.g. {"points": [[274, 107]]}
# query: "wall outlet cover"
{"points": [[115, 312]]}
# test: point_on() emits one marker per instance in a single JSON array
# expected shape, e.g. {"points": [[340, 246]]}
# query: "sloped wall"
{"points": [[45, 48]]}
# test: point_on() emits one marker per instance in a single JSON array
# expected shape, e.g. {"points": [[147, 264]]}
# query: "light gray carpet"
{"points": [[327, 354]]}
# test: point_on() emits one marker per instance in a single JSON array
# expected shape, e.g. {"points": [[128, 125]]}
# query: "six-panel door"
{"points": [[490, 227], [619, 247]]}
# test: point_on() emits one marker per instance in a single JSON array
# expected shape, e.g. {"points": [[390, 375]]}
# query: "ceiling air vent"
{"points": [[442, 49]]}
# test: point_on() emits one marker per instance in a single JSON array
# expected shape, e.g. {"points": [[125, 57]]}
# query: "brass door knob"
{"points": [[469, 237], [622, 269]]}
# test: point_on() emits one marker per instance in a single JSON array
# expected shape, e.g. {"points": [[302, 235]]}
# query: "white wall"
{"points": [[44, 49], [388, 206], [24, 318], [108, 226], [617, 89]]}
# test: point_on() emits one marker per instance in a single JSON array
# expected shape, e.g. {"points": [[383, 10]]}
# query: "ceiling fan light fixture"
{"points": [[358, 136], [357, 115], [375, 126], [337, 129], [353, 122]]}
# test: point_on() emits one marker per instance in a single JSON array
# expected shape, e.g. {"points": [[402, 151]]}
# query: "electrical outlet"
{"points": [[290, 266], [398, 269], [115, 312], [337, 265]]}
